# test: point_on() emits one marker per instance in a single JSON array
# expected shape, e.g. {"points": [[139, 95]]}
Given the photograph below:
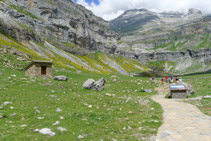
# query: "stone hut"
{"points": [[39, 68]]}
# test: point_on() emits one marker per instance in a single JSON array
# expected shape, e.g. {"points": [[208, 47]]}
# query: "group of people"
{"points": [[171, 79]]}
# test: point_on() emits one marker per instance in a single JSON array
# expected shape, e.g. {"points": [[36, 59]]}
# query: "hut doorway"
{"points": [[43, 70]]}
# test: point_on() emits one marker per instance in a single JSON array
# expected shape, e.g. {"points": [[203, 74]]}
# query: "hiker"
{"points": [[166, 79], [162, 80], [172, 79], [176, 79], [153, 78]]}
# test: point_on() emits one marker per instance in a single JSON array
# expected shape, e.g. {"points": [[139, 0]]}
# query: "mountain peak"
{"points": [[193, 11]]}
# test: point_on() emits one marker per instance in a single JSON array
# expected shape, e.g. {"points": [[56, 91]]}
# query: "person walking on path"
{"points": [[166, 79], [162, 80]]}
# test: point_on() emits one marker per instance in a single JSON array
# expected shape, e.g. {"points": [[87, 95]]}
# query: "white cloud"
{"points": [[110, 9]]}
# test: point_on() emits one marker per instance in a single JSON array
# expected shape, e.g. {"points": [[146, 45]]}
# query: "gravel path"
{"points": [[182, 121]]}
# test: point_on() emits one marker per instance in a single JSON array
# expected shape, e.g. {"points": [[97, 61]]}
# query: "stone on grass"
{"points": [[1, 73], [14, 114], [80, 137], [58, 110], [99, 85], [40, 117], [53, 96], [190, 89], [60, 78], [91, 84], [6, 103], [207, 96], [47, 131], [62, 129], [37, 111], [148, 90], [56, 123]]}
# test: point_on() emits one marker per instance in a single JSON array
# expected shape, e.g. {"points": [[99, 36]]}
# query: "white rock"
{"points": [[13, 75], [47, 131], [14, 114], [56, 123], [62, 129], [90, 106], [80, 137], [24, 125], [11, 107], [58, 110], [40, 117], [36, 130], [6, 103], [61, 117], [53, 96], [37, 111], [207, 96]]}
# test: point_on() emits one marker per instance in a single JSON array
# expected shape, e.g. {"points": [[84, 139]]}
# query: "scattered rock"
{"points": [[11, 107], [90, 106], [56, 123], [58, 110], [61, 117], [80, 137], [62, 129], [37, 111], [207, 96], [91, 84], [24, 125], [128, 99], [110, 95], [6, 103], [53, 96], [190, 89], [148, 90], [1, 73], [47, 131], [60, 78], [114, 80], [40, 117], [14, 114]]}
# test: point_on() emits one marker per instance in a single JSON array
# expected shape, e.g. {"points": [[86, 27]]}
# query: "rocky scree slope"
{"points": [[169, 37], [61, 31]]}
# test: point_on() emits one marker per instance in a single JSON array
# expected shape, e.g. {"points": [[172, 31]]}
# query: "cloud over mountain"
{"points": [[110, 9]]}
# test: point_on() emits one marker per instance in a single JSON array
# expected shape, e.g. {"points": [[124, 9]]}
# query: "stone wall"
{"points": [[35, 71]]}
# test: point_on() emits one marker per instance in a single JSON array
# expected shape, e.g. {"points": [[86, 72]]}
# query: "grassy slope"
{"points": [[105, 120], [202, 87]]}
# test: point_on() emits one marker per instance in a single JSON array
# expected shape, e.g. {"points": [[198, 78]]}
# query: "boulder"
{"points": [[99, 85], [148, 90], [190, 89], [91, 84], [1, 73], [60, 78]]}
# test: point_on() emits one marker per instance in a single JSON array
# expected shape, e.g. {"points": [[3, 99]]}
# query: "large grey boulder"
{"points": [[60, 78], [190, 89], [91, 84], [99, 85]]}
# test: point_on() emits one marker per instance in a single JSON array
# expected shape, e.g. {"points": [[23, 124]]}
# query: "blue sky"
{"points": [[90, 1]]}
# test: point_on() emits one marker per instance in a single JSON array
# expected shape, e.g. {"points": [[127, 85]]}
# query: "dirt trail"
{"points": [[182, 121]]}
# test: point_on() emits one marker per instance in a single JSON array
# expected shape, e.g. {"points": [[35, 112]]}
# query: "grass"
{"points": [[201, 84], [129, 115]]}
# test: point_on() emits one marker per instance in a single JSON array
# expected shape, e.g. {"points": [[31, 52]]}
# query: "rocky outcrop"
{"points": [[60, 22]]}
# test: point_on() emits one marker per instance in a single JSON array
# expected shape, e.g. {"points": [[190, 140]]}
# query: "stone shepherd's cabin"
{"points": [[39, 68]]}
